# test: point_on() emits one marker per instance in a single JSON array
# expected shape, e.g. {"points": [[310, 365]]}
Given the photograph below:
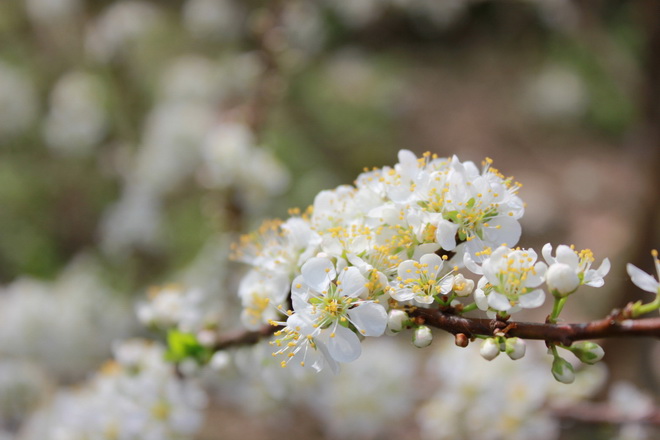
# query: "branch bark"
{"points": [[609, 327]]}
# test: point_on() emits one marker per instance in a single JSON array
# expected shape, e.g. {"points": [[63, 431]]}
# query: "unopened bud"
{"points": [[515, 348], [562, 370], [461, 340], [561, 279], [422, 336], [489, 349], [587, 351], [395, 320], [462, 285]]}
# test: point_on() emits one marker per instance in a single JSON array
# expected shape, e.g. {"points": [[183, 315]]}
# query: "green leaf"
{"points": [[182, 345]]}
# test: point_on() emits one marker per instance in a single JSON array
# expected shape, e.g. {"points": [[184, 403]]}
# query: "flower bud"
{"points": [[562, 370], [395, 320], [587, 351], [515, 348], [489, 349], [422, 336], [462, 285], [561, 279]]}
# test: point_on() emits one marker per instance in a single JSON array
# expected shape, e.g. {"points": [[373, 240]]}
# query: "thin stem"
{"points": [[643, 309], [469, 308], [557, 307]]}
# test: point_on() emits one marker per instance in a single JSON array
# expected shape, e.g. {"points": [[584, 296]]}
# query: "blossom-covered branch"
{"points": [[425, 243]]}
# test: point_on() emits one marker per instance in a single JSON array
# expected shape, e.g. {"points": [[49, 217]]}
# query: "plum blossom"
{"points": [[510, 281], [329, 311], [570, 269], [420, 281]]}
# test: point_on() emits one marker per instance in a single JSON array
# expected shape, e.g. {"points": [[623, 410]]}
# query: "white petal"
{"points": [[566, 255], [498, 301], [334, 367], [302, 322], [407, 270], [369, 318], [299, 302], [298, 286], [471, 265], [345, 345], [318, 272], [481, 299], [546, 251], [642, 280], [351, 282], [407, 163], [422, 298], [424, 249], [604, 268], [533, 299], [535, 280], [403, 294], [445, 235], [434, 262], [503, 230], [446, 284]]}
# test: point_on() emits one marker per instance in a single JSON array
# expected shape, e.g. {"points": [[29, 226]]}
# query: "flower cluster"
{"points": [[335, 270], [353, 264]]}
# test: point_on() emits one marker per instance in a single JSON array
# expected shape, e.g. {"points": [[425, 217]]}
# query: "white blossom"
{"points": [[421, 281], [510, 281], [326, 304], [570, 269]]}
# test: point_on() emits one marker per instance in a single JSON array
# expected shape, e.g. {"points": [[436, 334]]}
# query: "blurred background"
{"points": [[138, 138]]}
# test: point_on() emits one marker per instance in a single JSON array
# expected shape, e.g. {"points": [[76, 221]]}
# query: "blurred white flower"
{"points": [[135, 397], [47, 12], [169, 151], [23, 386], [373, 397], [132, 222], [476, 400], [171, 306], [76, 121], [18, 101], [215, 20], [556, 94], [192, 78], [120, 25], [66, 325]]}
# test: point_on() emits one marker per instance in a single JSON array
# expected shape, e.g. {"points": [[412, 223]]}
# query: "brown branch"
{"points": [[604, 413], [612, 326], [244, 337], [566, 334]]}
